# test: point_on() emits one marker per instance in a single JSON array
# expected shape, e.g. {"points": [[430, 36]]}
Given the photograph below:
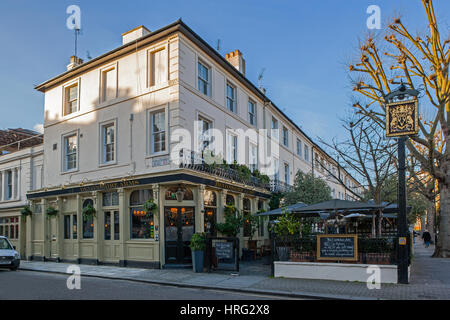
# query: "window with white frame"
{"points": [[306, 155], [299, 147], [158, 131], [253, 157], [285, 137], [252, 112], [71, 99], [108, 142], [70, 152], [158, 67], [109, 84], [204, 134], [204, 83], [231, 97], [274, 127], [232, 148], [286, 173], [8, 185]]}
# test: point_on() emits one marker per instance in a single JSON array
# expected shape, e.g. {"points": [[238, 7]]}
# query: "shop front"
{"points": [[120, 231]]}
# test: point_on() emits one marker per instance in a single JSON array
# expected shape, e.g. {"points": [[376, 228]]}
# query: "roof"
{"points": [[15, 139], [336, 205], [177, 26], [282, 210]]}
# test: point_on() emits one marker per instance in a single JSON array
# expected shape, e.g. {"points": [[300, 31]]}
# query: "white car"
{"points": [[9, 257]]}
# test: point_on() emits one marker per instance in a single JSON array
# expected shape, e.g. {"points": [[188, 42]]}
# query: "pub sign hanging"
{"points": [[402, 118]]}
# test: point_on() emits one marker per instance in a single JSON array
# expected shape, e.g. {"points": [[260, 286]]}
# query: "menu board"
{"points": [[337, 247], [224, 250]]}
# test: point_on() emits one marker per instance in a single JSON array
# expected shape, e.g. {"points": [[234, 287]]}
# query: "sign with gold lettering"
{"points": [[402, 118]]}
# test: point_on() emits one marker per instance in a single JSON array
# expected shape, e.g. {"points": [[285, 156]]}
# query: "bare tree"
{"points": [[368, 155], [422, 62]]}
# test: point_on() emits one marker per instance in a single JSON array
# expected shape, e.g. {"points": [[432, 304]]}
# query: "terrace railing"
{"points": [[370, 250]]}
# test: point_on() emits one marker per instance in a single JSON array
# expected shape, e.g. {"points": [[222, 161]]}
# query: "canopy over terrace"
{"points": [[336, 206]]}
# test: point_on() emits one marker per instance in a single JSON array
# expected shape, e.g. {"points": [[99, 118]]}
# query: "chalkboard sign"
{"points": [[337, 247], [224, 250]]}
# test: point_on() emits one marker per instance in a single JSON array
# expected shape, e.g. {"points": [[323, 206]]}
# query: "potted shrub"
{"points": [[89, 211], [287, 225], [26, 211], [198, 246], [51, 212], [233, 223]]}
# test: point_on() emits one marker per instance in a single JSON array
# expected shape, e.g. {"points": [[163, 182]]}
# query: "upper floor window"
{"points": [[306, 153], [231, 97], [70, 152], [285, 137], [108, 143], [71, 99], [252, 112], [109, 84], [204, 84], [276, 169], [204, 134], [299, 147], [158, 131], [253, 157], [232, 148], [8, 185], [286, 173], [158, 67], [274, 127]]}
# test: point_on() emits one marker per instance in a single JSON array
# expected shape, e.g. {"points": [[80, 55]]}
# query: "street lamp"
{"points": [[402, 120]]}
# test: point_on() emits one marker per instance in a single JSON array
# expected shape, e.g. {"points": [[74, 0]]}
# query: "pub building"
{"points": [[112, 127]]}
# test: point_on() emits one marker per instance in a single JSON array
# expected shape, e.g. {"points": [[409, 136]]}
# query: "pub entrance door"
{"points": [[178, 230]]}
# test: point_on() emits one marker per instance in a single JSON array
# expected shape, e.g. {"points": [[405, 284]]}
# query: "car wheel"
{"points": [[13, 268]]}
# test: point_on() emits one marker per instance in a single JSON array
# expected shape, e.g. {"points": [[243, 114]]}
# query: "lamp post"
{"points": [[402, 121]]}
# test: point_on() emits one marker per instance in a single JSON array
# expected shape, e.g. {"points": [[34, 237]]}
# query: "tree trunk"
{"points": [[429, 223], [443, 245]]}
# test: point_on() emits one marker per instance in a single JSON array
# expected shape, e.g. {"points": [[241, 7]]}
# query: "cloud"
{"points": [[39, 127]]}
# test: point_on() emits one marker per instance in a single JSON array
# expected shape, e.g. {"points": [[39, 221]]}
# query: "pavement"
{"points": [[429, 280]]}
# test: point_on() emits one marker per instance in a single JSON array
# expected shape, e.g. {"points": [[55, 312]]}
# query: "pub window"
{"points": [[142, 223], [171, 193], [67, 227], [112, 225], [88, 222], [210, 218], [9, 227], [110, 199], [230, 200], [246, 213]]}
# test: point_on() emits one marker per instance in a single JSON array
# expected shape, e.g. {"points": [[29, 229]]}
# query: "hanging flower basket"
{"points": [[230, 210], [51, 212], [26, 211], [89, 211], [150, 206]]}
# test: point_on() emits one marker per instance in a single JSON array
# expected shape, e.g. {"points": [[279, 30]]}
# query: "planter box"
{"points": [[197, 260], [302, 256], [332, 271]]}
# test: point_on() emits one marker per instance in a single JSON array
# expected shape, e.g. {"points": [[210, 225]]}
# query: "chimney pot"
{"points": [[74, 62], [237, 60]]}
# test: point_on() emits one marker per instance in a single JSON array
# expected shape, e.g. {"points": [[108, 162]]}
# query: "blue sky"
{"points": [[304, 46]]}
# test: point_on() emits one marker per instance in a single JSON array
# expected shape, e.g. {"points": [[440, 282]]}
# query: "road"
{"points": [[30, 285]]}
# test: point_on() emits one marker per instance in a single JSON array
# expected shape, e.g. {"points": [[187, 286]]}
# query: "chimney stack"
{"points": [[74, 62], [236, 59], [134, 34]]}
